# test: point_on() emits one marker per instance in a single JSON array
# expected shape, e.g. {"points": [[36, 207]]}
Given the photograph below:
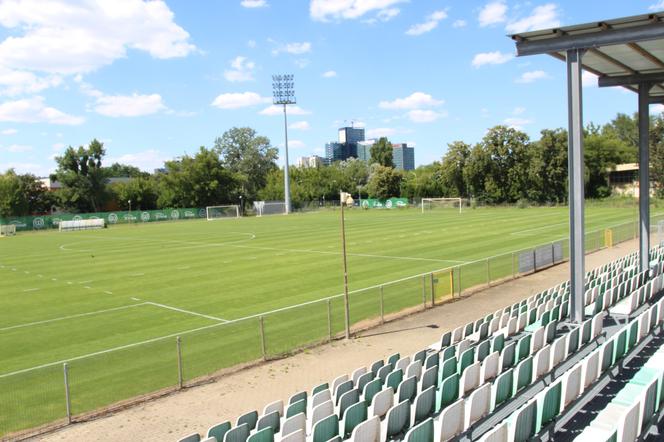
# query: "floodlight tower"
{"points": [[283, 92]]}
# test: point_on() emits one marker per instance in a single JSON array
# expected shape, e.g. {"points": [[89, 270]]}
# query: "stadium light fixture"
{"points": [[283, 93]]}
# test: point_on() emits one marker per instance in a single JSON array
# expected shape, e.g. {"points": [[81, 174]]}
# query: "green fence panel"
{"points": [[391, 203]]}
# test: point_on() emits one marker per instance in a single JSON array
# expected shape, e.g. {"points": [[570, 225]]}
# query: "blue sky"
{"points": [[154, 80]]}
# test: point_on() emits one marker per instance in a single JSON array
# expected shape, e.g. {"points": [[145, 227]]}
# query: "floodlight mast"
{"points": [[283, 92]]}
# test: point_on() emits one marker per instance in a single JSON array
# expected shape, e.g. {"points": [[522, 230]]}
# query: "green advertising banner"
{"points": [[392, 203], [119, 217]]}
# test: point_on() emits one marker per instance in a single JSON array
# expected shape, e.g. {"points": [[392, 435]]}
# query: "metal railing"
{"points": [[66, 391]]}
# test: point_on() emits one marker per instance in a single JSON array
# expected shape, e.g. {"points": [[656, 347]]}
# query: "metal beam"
{"points": [[650, 31], [576, 183], [656, 100], [644, 175], [630, 80]]}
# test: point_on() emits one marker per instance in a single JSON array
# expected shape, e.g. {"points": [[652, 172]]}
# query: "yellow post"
{"points": [[452, 283], [608, 238]]}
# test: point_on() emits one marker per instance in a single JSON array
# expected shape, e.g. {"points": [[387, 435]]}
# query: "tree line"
{"points": [[504, 167]]}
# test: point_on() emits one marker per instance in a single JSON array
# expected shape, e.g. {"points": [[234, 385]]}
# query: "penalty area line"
{"points": [[189, 312]]}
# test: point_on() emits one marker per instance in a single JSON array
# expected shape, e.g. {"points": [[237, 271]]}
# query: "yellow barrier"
{"points": [[608, 238]]}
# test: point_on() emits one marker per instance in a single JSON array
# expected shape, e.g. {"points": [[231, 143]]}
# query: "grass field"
{"points": [[65, 296]]}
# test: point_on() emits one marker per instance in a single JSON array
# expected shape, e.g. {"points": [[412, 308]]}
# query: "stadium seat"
{"points": [[320, 412], [354, 415], [421, 433], [451, 420], [371, 390], [194, 437], [477, 405], [297, 436], [396, 422], [238, 434], [218, 431], [264, 435], [297, 408], [407, 390], [367, 431], [429, 378], [381, 403], [249, 418], [271, 420], [349, 398], [325, 429], [424, 405], [293, 424]]}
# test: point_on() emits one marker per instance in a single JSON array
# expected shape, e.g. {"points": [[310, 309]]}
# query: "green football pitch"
{"points": [[111, 302]]}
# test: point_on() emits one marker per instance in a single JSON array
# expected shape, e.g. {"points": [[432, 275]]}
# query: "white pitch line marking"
{"points": [[135, 299], [85, 282], [214, 318], [30, 324], [110, 293], [87, 287], [54, 279], [26, 272], [69, 282], [13, 270], [137, 274], [31, 290]]}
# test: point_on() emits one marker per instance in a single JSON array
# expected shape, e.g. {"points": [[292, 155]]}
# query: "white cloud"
{"points": [[387, 14], [459, 24], [251, 43], [516, 122], [61, 37], [239, 99], [428, 25], [518, 110], [381, 132], [134, 105], [18, 148], [295, 48], [15, 82], [415, 100], [34, 168], [9, 131], [657, 6], [329, 74], [299, 125], [254, 3], [542, 17], [279, 110], [588, 79], [326, 10], [496, 57], [147, 160], [242, 69], [425, 116], [657, 108], [493, 13], [34, 110], [531, 76]]}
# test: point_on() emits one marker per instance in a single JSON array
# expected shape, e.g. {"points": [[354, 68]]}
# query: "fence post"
{"points": [[65, 369], [459, 275], [553, 254], [513, 267], [382, 306], [488, 273], [178, 343], [329, 320], [424, 292], [261, 326], [433, 290]]}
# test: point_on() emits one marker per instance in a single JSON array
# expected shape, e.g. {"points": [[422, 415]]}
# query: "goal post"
{"points": [[442, 203], [7, 230], [269, 208], [222, 212]]}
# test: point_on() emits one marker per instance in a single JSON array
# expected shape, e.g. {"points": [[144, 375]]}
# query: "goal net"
{"points": [[269, 207], [81, 224], [443, 203], [7, 230], [222, 212]]}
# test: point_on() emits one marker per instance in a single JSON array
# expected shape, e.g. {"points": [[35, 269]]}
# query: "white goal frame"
{"points": [[433, 200], [7, 230], [230, 206], [260, 206]]}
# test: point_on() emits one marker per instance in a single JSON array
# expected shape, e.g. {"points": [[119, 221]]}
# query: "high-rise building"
{"points": [[312, 161], [351, 134], [347, 146], [403, 156], [364, 150]]}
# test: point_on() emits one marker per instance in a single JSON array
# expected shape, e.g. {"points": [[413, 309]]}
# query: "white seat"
{"points": [[274, 406], [598, 323], [457, 335], [571, 384], [414, 369], [470, 379], [293, 424], [319, 398], [402, 364], [451, 420], [590, 371], [477, 405], [523, 319], [367, 431], [357, 373], [537, 340], [625, 419], [490, 366], [338, 381], [558, 351], [381, 403], [320, 412], [542, 362], [496, 434], [297, 436]]}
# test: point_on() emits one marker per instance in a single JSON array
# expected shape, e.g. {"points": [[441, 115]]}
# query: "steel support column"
{"points": [[644, 175], [576, 182]]}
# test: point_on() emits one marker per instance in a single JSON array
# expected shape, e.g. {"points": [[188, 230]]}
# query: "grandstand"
{"points": [[521, 372]]}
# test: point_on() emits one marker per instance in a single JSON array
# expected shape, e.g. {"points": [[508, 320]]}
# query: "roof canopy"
{"points": [[624, 52]]}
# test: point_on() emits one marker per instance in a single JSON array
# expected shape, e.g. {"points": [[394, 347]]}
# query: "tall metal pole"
{"points": [[576, 183], [644, 175], [343, 248], [286, 174]]}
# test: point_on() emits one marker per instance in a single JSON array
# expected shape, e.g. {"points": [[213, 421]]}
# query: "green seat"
{"points": [[364, 380], [632, 334], [371, 390], [377, 366], [392, 360], [619, 347], [524, 374], [525, 422], [573, 341], [297, 408], [467, 358], [194, 437], [549, 407], [270, 420], [508, 355], [349, 398], [420, 356], [248, 418], [448, 368], [394, 379], [483, 350], [448, 392], [398, 420], [264, 435], [468, 330], [504, 387], [448, 353], [342, 389], [297, 397], [319, 388], [421, 433], [523, 349], [355, 415], [498, 343], [586, 329], [607, 355], [325, 429], [407, 390], [238, 434], [219, 430], [424, 404], [432, 360], [384, 371]]}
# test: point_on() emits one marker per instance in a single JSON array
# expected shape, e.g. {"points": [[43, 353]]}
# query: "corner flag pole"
{"points": [[343, 247]]}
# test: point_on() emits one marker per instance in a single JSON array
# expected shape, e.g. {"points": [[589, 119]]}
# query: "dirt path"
{"points": [[198, 408]]}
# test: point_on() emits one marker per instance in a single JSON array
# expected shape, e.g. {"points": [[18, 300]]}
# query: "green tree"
{"points": [[124, 170], [143, 192], [423, 182], [452, 170], [249, 156], [22, 195], [384, 182], [201, 180], [547, 174], [657, 154], [602, 152], [381, 153], [82, 178]]}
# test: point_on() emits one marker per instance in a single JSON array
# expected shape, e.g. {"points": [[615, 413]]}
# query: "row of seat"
{"points": [[470, 363]]}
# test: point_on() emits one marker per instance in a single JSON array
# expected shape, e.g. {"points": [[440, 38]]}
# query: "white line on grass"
{"points": [[189, 312], [31, 290], [79, 315], [107, 292], [85, 282]]}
